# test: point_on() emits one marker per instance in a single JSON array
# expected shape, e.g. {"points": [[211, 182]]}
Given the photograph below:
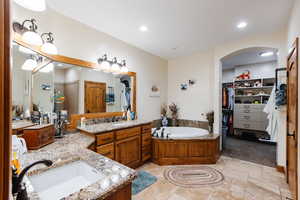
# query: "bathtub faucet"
{"points": [[162, 135]]}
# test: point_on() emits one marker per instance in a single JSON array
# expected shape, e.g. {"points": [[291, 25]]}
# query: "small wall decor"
{"points": [[46, 87], [183, 86], [192, 82], [154, 91]]}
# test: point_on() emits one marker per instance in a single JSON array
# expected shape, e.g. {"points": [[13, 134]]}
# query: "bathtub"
{"points": [[184, 132], [184, 146]]}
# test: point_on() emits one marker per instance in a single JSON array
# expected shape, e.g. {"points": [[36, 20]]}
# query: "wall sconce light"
{"points": [[48, 46], [28, 30], [115, 68], [29, 64], [124, 68], [104, 64], [35, 5], [112, 66]]}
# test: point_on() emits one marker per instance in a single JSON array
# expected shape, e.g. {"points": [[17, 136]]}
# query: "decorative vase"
{"points": [[164, 121], [210, 129]]}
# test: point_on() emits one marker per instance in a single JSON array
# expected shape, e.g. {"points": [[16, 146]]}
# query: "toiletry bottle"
{"points": [[128, 115], [82, 122], [15, 162]]}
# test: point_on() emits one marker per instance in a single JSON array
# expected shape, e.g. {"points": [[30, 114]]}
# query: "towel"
{"points": [[273, 117]]}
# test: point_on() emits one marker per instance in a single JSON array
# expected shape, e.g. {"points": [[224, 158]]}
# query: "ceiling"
{"points": [[177, 27], [248, 56]]}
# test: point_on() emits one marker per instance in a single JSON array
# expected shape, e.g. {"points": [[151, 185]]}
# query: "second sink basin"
{"points": [[60, 182]]}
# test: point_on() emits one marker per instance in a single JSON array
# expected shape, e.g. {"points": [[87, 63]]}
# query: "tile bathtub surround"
{"points": [[71, 148], [185, 123], [243, 181]]}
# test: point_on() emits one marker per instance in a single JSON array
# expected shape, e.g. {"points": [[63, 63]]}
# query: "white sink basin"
{"points": [[62, 181]]}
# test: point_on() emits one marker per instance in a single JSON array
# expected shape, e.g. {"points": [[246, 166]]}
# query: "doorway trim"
{"points": [[5, 99]]}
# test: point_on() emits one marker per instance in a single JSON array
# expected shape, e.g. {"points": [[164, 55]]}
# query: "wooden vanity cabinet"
{"points": [[128, 151], [128, 146], [146, 143], [38, 136]]}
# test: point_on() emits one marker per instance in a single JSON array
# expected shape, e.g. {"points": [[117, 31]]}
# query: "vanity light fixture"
{"points": [[30, 36], [266, 54], [112, 66], [35, 5], [28, 30], [104, 64], [124, 68], [29, 64], [48, 46], [115, 68]]}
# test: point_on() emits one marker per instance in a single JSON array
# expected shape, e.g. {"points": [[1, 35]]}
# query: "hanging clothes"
{"points": [[230, 98], [273, 117]]}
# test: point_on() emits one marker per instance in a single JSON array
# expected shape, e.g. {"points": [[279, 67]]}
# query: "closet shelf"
{"points": [[250, 88], [261, 95]]}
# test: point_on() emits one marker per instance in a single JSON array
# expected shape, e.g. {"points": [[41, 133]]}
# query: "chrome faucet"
{"points": [[19, 189]]}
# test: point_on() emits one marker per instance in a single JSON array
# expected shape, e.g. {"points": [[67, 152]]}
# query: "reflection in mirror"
{"points": [[80, 90], [32, 89]]}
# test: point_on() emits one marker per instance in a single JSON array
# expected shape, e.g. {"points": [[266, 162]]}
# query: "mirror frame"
{"points": [[79, 63]]}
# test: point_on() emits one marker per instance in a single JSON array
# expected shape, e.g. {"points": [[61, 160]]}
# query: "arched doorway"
{"points": [[261, 68]]}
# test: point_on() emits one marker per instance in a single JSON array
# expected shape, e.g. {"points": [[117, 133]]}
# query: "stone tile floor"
{"points": [[243, 181]]}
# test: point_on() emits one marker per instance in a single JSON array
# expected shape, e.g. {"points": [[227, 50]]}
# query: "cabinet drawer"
{"points": [[254, 117], [146, 128], [146, 153], [107, 150], [259, 126], [146, 139], [105, 138], [249, 106], [125, 133]]}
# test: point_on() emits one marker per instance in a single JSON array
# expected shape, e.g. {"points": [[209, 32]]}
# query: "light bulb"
{"points": [[124, 69], [49, 48], [32, 38], [105, 66], [47, 68], [115, 68], [29, 64], [35, 5]]}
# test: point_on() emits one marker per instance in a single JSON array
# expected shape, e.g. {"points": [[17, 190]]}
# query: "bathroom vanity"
{"points": [[129, 143], [68, 151], [38, 136]]}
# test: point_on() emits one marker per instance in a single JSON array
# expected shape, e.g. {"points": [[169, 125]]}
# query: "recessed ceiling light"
{"points": [[242, 25], [143, 28], [265, 54]]}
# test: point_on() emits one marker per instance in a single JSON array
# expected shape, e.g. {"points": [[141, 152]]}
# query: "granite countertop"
{"points": [[38, 126], [71, 148], [19, 124], [104, 127]]}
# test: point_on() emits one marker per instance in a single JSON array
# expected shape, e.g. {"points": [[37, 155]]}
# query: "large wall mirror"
{"points": [[57, 83]]}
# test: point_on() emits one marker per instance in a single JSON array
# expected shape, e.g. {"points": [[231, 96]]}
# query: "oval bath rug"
{"points": [[193, 176]]}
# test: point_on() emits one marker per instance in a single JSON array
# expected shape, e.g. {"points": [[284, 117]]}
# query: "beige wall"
{"points": [[293, 32], [197, 99], [77, 40]]}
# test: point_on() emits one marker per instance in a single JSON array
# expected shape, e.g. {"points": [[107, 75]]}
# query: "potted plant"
{"points": [[174, 114], [163, 112], [210, 119]]}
